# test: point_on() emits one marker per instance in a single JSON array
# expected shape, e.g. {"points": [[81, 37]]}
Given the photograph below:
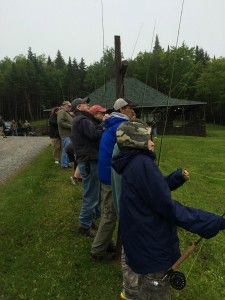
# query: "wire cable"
{"points": [[103, 58], [146, 79]]}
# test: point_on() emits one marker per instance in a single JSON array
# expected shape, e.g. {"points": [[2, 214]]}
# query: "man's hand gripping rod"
{"points": [[176, 278]]}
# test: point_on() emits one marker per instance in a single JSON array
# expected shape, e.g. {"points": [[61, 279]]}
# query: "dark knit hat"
{"points": [[133, 134]]}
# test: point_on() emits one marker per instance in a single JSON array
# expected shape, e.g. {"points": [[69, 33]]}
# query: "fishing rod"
{"points": [[170, 87], [177, 279]]}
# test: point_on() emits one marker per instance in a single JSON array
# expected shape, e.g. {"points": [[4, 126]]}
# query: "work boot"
{"points": [[86, 231], [111, 247], [94, 226], [107, 256]]}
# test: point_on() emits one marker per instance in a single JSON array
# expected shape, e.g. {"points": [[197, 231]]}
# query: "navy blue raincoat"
{"points": [[149, 217]]}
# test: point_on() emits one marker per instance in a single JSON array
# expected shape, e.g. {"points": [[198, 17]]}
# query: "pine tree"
{"points": [[82, 74], [49, 61], [59, 61], [157, 44]]}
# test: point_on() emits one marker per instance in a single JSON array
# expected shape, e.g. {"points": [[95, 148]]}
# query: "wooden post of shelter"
{"points": [[120, 68]]}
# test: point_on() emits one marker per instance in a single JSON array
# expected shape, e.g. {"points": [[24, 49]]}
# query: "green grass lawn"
{"points": [[40, 122], [43, 257]]}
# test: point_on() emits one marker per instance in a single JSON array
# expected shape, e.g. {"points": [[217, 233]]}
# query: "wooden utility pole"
{"points": [[120, 67]]}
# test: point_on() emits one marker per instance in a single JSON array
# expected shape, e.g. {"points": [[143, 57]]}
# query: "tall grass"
{"points": [[43, 257]]}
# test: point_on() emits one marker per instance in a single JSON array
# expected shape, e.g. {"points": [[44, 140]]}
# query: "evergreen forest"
{"points": [[29, 84]]}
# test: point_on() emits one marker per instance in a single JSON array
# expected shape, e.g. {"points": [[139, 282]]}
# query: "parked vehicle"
{"points": [[7, 127]]}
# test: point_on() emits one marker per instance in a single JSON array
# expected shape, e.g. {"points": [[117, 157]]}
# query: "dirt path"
{"points": [[17, 151]]}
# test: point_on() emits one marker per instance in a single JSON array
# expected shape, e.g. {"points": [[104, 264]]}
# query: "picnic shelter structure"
{"points": [[182, 117]]}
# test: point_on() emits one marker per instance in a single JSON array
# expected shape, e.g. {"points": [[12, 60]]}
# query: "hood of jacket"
{"points": [[120, 161], [83, 113], [114, 118]]}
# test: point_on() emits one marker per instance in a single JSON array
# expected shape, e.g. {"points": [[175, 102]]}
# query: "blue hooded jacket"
{"points": [[149, 216], [107, 144]]}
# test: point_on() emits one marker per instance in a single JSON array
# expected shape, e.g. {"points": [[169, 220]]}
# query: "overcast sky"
{"points": [[75, 26]]}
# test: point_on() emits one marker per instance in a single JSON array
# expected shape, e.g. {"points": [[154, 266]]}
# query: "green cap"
{"points": [[133, 135]]}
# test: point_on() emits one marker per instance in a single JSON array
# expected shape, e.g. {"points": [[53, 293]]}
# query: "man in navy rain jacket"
{"points": [[149, 217]]}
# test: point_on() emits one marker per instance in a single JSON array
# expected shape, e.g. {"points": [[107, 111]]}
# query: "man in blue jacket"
{"points": [[149, 217], [102, 245]]}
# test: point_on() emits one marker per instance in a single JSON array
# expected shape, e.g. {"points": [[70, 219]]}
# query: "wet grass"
{"points": [[43, 257]]}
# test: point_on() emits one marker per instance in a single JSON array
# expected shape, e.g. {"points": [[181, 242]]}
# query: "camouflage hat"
{"points": [[134, 135]]}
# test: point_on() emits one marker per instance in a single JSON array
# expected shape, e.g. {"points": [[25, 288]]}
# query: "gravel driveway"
{"points": [[16, 151]]}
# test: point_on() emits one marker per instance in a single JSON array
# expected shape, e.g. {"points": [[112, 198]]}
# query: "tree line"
{"points": [[31, 83]]}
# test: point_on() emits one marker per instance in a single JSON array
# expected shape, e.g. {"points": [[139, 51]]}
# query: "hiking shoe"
{"points": [[64, 168], [73, 180], [123, 296], [107, 256], [94, 226], [111, 248], [86, 231]]}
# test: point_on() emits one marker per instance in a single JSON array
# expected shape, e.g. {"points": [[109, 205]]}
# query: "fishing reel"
{"points": [[177, 279]]}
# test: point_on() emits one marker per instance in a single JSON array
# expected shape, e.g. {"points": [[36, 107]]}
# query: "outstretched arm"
{"points": [[177, 178]]}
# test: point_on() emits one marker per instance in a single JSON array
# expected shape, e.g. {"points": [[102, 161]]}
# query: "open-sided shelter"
{"points": [[184, 117]]}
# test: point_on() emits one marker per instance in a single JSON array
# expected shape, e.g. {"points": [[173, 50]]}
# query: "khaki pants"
{"points": [[56, 146], [107, 223]]}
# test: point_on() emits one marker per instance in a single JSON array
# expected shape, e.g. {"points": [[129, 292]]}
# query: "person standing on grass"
{"points": [[102, 247], [130, 278], [86, 135], [98, 112], [64, 120], [149, 217], [54, 135]]}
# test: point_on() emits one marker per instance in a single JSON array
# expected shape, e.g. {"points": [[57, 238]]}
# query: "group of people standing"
{"points": [[15, 128], [23, 128], [115, 157]]}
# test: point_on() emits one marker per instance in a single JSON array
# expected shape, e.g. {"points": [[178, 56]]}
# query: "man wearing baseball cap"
{"points": [[102, 247], [122, 104], [64, 120], [98, 112], [86, 134]]}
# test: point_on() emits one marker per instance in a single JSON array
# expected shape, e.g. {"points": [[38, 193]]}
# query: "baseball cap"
{"points": [[121, 102], [97, 108], [133, 135], [66, 103], [78, 101]]}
